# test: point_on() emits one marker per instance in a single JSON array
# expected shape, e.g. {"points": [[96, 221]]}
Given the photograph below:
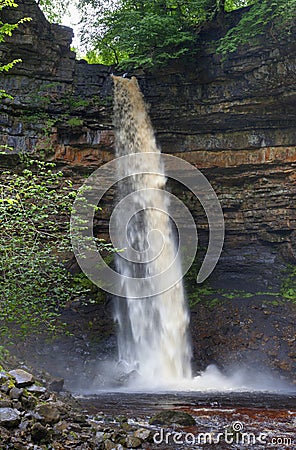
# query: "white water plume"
{"points": [[153, 330]]}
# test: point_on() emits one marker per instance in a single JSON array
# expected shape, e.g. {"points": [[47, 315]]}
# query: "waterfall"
{"points": [[152, 330]]}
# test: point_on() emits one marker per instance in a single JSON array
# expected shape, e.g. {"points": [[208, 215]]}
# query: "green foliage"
{"points": [[231, 5], [75, 122], [54, 10], [142, 33], [34, 283], [211, 298], [102, 56], [35, 207], [10, 65], [4, 94], [4, 353], [276, 15], [6, 29], [288, 290], [196, 293]]}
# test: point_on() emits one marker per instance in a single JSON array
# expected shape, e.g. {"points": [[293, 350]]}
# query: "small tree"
{"points": [[35, 208]]}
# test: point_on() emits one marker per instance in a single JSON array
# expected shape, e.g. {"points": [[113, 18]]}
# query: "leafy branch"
{"points": [[6, 30]]}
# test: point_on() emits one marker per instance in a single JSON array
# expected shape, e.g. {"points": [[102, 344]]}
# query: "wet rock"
{"points": [[117, 437], [133, 442], [16, 404], [36, 390], [79, 418], [5, 403], [109, 445], [22, 378], [172, 417], [3, 377], [28, 402], [5, 387], [9, 418], [4, 434], [126, 426], [40, 434], [16, 393], [56, 385], [99, 438], [18, 444], [49, 413], [143, 434], [121, 419], [24, 425], [126, 378]]}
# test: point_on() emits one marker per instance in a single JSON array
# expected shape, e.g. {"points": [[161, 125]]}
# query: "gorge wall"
{"points": [[233, 118]]}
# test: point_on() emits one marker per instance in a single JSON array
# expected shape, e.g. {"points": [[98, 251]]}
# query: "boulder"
{"points": [[16, 393], [9, 418], [49, 413], [173, 418], [40, 434], [56, 385], [109, 445], [22, 378], [133, 442], [142, 434], [36, 390], [5, 403]]}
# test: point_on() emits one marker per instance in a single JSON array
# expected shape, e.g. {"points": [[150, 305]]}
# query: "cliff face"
{"points": [[59, 104], [234, 119]]}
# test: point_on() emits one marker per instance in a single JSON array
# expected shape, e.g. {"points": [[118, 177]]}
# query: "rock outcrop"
{"points": [[233, 118], [40, 419]]}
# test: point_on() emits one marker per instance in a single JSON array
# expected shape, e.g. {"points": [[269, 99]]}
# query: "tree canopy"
{"points": [[145, 33], [54, 9]]}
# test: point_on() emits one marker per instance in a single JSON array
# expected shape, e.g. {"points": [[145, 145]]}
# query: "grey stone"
{"points": [[3, 377], [22, 378], [5, 403], [172, 417], [16, 393], [133, 442], [49, 413], [37, 390], [5, 387], [9, 418], [143, 433], [56, 385], [109, 445], [99, 437]]}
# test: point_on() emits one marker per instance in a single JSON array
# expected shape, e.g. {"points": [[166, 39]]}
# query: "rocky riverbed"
{"points": [[34, 416]]}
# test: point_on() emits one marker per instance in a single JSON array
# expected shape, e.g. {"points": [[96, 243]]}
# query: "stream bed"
{"points": [[224, 420]]}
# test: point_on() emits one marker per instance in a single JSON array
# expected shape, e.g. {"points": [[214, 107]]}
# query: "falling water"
{"points": [[153, 331]]}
